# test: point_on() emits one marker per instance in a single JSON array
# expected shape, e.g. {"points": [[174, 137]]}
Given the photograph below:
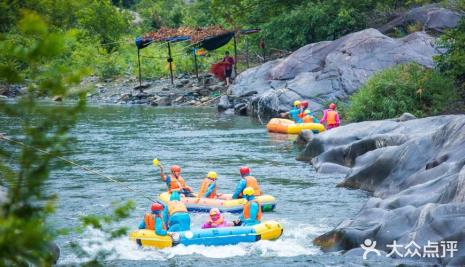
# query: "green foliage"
{"points": [[404, 88], [25, 237], [102, 19], [452, 62]]}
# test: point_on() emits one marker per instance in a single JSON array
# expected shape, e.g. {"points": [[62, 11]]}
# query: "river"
{"points": [[121, 141]]}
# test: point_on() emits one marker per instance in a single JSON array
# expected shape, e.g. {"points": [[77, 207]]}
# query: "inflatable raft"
{"points": [[268, 230], [290, 127], [224, 203]]}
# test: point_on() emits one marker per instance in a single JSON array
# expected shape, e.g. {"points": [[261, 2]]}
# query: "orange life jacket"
{"points": [[331, 117], [217, 222], [150, 221], [246, 212], [176, 206], [204, 188], [308, 119], [176, 184], [252, 182]]}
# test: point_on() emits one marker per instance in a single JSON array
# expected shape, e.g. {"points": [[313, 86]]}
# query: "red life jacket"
{"points": [[149, 220], [246, 212], [204, 188]]}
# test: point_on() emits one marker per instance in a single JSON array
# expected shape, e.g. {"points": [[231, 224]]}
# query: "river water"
{"points": [[122, 141]]}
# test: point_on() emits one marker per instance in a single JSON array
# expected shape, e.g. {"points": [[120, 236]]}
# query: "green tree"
{"points": [[404, 88], [25, 235], [101, 19], [452, 61]]}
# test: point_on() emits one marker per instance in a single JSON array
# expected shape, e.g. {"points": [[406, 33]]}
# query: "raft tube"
{"points": [[290, 127], [268, 230], [224, 203]]}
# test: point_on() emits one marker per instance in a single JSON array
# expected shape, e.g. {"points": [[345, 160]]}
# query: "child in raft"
{"points": [[216, 220]]}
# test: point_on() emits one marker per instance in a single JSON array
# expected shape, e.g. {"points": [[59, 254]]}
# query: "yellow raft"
{"points": [[268, 230], [224, 203], [286, 126]]}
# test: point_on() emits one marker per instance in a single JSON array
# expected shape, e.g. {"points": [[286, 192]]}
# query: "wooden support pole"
{"points": [[196, 66], [235, 55], [140, 72], [170, 60], [247, 51]]}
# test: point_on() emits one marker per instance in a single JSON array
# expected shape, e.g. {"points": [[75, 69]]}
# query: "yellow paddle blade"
{"points": [[155, 162]]}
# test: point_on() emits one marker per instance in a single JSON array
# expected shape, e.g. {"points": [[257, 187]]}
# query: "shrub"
{"points": [[404, 88]]}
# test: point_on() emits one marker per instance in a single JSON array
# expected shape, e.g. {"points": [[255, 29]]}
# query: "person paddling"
{"points": [[252, 212], [175, 182], [208, 187]]}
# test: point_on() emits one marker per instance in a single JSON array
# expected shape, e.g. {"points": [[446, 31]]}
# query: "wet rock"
{"points": [[329, 70], [224, 103], [415, 170], [204, 92], [125, 97], [163, 101], [57, 98], [204, 99], [304, 137], [240, 109], [165, 89]]}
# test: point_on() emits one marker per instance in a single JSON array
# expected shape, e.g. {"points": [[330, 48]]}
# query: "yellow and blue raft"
{"points": [[268, 230]]}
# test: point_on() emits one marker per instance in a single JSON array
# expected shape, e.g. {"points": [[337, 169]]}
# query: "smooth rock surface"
{"points": [[415, 170], [429, 18]]}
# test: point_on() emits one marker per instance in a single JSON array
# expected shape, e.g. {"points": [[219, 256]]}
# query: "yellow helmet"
{"points": [[212, 175], [248, 191], [155, 162], [296, 103]]}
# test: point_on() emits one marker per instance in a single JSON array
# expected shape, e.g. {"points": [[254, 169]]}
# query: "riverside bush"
{"points": [[404, 88]]}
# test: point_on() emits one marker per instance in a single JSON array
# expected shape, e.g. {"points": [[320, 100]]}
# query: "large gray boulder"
{"points": [[415, 170], [330, 70], [431, 18]]}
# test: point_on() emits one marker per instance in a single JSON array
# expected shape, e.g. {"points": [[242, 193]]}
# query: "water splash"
{"points": [[296, 241]]}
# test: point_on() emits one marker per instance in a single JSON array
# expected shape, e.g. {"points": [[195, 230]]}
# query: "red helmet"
{"points": [[244, 170], [175, 168], [304, 104], [156, 206], [332, 106]]}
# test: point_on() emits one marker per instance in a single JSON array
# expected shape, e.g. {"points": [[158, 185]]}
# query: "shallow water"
{"points": [[122, 141]]}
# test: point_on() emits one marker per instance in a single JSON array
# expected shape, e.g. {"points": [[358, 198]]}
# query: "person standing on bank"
{"points": [[229, 64]]}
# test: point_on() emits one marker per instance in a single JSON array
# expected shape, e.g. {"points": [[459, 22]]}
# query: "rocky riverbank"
{"points": [[415, 169], [187, 90], [331, 71]]}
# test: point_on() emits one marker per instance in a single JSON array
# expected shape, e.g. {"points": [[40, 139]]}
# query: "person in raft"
{"points": [[246, 181], [216, 220], [331, 117], [228, 68], [208, 186], [176, 214], [309, 118], [154, 220], [252, 212], [175, 182]]}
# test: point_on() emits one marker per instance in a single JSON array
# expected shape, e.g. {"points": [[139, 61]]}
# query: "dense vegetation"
{"points": [[102, 31], [404, 88]]}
